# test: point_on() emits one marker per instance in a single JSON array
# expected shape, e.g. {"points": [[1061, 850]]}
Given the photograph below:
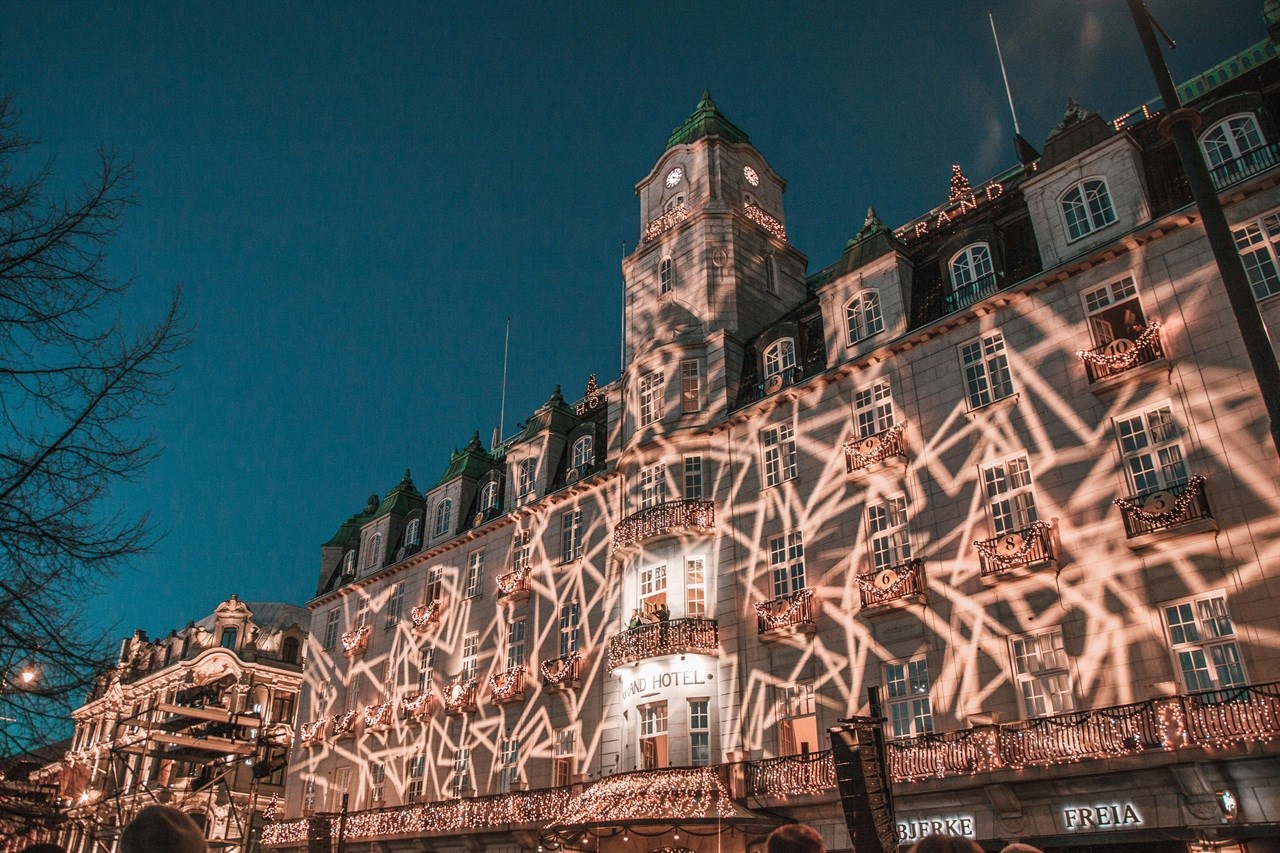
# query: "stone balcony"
{"points": [[670, 637], [663, 519]]}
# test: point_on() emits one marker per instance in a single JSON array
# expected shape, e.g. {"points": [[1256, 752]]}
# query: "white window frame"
{"points": [[413, 533], [583, 452], [970, 265], [700, 732], [395, 605], [770, 274], [786, 563], [908, 688], [1104, 299], [459, 784], [690, 386], [509, 767], [1151, 450], [475, 568], [1203, 641], [779, 357], [515, 643], [570, 535], [984, 363], [1086, 207], [695, 587], [1042, 671], [1009, 489], [426, 668], [862, 316], [526, 479], [470, 655], [564, 757], [1231, 142], [653, 726], [489, 496], [377, 783], [652, 580], [435, 584], [693, 485], [444, 516], [796, 701], [570, 628], [521, 550], [666, 276], [1258, 242], [778, 446], [649, 397], [375, 545], [333, 622], [888, 533], [873, 409], [415, 773], [652, 488]]}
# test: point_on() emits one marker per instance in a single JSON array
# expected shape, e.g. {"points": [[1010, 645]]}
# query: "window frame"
{"points": [[873, 409], [967, 266], [583, 454], [1230, 140], [779, 455], [651, 486], [444, 516], [570, 535], [861, 312], [1048, 697], [779, 357], [889, 531], [1202, 643], [1013, 506], [985, 370], [691, 467], [786, 563], [666, 277], [649, 398], [570, 636], [699, 731], [655, 726], [471, 587], [1095, 218], [1160, 447], [1261, 237], [695, 587], [690, 386], [910, 713], [395, 605]]}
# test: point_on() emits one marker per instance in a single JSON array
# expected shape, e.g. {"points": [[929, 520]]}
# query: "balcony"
{"points": [[785, 615], [1184, 506], [784, 378], [508, 685], [672, 637], [460, 696], [668, 220], [418, 706], [425, 615], [974, 291], [866, 453], [1123, 355], [344, 725], [379, 716], [355, 641], [513, 587], [769, 223], [562, 673], [312, 733], [665, 518], [894, 586], [1020, 549], [791, 775], [1245, 166]]}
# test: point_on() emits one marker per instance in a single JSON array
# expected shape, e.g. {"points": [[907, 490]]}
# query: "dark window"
{"points": [[289, 650], [229, 638]]}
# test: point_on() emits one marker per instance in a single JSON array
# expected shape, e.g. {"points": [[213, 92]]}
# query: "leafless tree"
{"points": [[76, 385]]}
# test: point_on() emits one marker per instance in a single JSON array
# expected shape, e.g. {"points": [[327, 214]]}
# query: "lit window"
{"points": [[1086, 207], [1040, 665], [786, 563], [426, 666], [1114, 312], [349, 564], [693, 478], [907, 685], [375, 547], [475, 565], [331, 629], [584, 454], [435, 584], [653, 588], [653, 486], [416, 771], [1203, 640], [377, 783], [515, 644], [444, 517], [413, 533], [873, 409], [521, 547], [570, 535], [470, 653], [1151, 450], [489, 497], [509, 772], [650, 398], [690, 386], [653, 736], [1256, 243], [695, 588], [570, 630], [1231, 140], [527, 479], [779, 446], [779, 357], [699, 732], [1010, 495], [395, 605], [797, 720], [229, 636], [986, 370], [887, 535], [862, 316], [970, 267], [666, 277], [565, 758], [460, 782]]}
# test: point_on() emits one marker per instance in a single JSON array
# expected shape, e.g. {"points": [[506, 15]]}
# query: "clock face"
{"points": [[674, 176], [751, 176]]}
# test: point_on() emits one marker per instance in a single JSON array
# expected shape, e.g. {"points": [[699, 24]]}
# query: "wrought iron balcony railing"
{"points": [[668, 517], [1246, 165], [355, 641], [425, 615], [1030, 546], [880, 587], [344, 725], [514, 584], [312, 733], [1123, 354], [873, 449], [508, 685], [460, 696], [563, 672], [1165, 509], [418, 706], [789, 775], [971, 292], [770, 223], [379, 716], [670, 637], [786, 611]]}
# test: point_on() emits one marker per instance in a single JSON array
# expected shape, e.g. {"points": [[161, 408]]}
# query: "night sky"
{"points": [[354, 199]]}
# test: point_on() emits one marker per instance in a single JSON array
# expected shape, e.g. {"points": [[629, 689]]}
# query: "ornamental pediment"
{"points": [[214, 665]]}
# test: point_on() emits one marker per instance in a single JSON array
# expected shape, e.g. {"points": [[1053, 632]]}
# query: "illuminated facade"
{"points": [[199, 720], [1000, 474]]}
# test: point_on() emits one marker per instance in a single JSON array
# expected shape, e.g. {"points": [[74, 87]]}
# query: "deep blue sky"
{"points": [[355, 197]]}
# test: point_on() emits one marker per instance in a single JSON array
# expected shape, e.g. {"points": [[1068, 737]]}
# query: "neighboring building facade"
{"points": [[1001, 475], [200, 720]]}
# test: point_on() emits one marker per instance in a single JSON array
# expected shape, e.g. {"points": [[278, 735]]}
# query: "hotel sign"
{"points": [[649, 685]]}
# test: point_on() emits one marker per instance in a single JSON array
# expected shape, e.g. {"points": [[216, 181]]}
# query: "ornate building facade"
{"points": [[199, 720], [1001, 475]]}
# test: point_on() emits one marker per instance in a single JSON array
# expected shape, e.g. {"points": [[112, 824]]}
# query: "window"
{"points": [[520, 548], [375, 547], [887, 532], [341, 787], [969, 267], [290, 650], [786, 562], [797, 720], [527, 479], [907, 685], [489, 497], [309, 794], [1151, 451], [229, 636], [1256, 243], [695, 588], [986, 370], [770, 273], [690, 386], [281, 708], [1114, 312], [1203, 640], [1040, 667], [699, 733], [395, 605], [1010, 495], [779, 444], [570, 535], [416, 771], [570, 631], [349, 564], [460, 783], [1086, 207], [444, 517], [426, 666], [435, 584], [584, 453], [515, 644], [377, 783], [779, 357], [862, 317], [653, 486], [653, 587], [666, 277], [475, 566], [564, 758], [413, 533], [873, 409], [693, 478], [650, 398], [1229, 140], [470, 651], [362, 613], [331, 629], [509, 772], [653, 736]]}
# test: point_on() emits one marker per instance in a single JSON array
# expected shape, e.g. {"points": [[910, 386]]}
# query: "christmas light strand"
{"points": [[345, 724], [312, 733], [379, 715], [426, 614], [1129, 357], [418, 706], [651, 795], [1034, 536], [558, 671], [460, 696], [663, 518], [513, 582], [667, 220], [786, 610], [672, 637], [508, 685], [1192, 493], [355, 641], [757, 215], [909, 581], [889, 444]]}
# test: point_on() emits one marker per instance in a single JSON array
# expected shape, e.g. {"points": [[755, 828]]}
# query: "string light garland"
{"points": [[864, 452], [1177, 511], [960, 186], [312, 733], [345, 724], [907, 579], [669, 219], [379, 715], [460, 696], [418, 706], [508, 685], [426, 614], [514, 582], [663, 518], [651, 795], [793, 775], [1035, 545], [355, 641], [757, 215], [785, 611], [672, 637], [1147, 341], [560, 671], [269, 813]]}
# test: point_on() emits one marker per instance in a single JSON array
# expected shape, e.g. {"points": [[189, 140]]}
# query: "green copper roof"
{"points": [[705, 121], [471, 461], [350, 530], [401, 500], [554, 415]]}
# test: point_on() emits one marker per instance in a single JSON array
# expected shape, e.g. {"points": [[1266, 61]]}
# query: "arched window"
{"points": [[489, 496], [665, 277], [779, 357], [349, 563], [862, 316], [289, 650], [229, 636], [413, 533], [375, 545], [444, 516], [674, 202], [1086, 207], [770, 273], [972, 273], [583, 452], [1231, 139], [528, 468]]}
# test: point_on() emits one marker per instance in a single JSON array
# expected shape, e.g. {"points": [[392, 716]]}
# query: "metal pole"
{"points": [[1181, 124], [342, 826]]}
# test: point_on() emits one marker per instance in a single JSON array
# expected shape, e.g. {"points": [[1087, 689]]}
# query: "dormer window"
{"points": [[970, 266], [1086, 207], [779, 357], [526, 478], [349, 563], [413, 533], [1231, 139], [229, 637], [584, 453], [666, 277], [489, 497], [444, 517], [290, 649], [375, 545], [862, 316]]}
